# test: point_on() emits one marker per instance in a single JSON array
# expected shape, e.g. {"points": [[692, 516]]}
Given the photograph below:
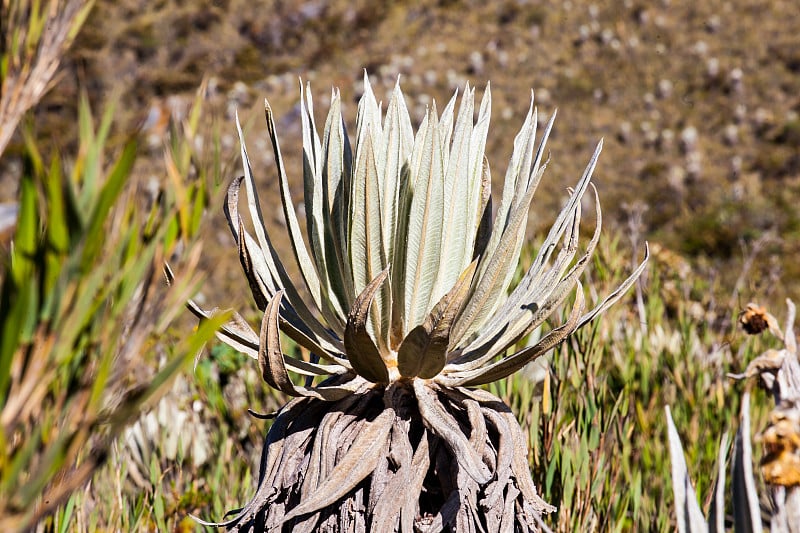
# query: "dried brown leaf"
{"points": [[443, 425], [273, 366], [361, 350], [359, 462], [424, 350]]}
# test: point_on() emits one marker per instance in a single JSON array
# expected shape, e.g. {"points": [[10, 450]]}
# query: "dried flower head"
{"points": [[755, 319]]}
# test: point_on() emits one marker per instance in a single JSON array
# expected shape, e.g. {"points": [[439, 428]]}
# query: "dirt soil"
{"points": [[698, 103]]}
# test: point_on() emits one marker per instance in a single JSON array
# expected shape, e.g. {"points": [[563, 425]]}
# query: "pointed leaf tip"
{"points": [[361, 349], [423, 352]]}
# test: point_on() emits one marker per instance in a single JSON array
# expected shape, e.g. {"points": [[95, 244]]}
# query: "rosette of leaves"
{"points": [[411, 308]]}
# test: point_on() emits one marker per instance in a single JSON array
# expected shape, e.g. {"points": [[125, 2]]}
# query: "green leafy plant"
{"points": [[409, 277], [82, 300], [33, 38]]}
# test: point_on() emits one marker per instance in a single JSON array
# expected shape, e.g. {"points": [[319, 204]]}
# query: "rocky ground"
{"points": [[697, 102]]}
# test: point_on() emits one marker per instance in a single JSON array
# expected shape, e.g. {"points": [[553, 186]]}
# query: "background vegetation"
{"points": [[699, 109]]}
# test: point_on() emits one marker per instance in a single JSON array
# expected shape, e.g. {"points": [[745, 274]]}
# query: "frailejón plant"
{"points": [[779, 373], [411, 309]]}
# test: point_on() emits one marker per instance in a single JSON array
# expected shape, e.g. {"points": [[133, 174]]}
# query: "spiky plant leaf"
{"points": [[412, 303], [398, 142], [423, 243], [746, 512], [423, 352], [688, 513], [716, 514], [274, 363]]}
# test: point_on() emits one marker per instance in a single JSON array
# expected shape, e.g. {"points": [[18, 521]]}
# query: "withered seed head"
{"points": [[781, 440], [755, 319]]}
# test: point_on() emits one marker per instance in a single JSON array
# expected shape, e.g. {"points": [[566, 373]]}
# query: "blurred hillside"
{"points": [[698, 102]]}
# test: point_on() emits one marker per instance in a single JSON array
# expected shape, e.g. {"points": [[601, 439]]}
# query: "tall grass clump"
{"points": [[33, 38], [84, 307], [83, 302]]}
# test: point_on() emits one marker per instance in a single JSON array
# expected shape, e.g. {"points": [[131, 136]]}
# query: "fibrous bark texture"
{"points": [[407, 457]]}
